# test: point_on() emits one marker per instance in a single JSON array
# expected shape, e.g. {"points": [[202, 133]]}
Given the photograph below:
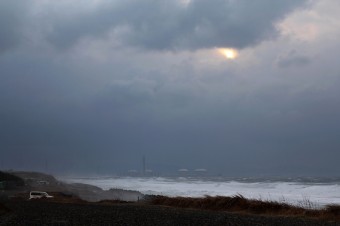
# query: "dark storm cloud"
{"points": [[170, 25], [95, 108], [49, 111]]}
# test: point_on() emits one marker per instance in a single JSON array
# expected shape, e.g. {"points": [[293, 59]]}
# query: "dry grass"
{"points": [[111, 202], [240, 204], [237, 204]]}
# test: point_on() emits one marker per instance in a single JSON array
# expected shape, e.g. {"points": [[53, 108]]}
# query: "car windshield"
{"points": [[38, 193]]}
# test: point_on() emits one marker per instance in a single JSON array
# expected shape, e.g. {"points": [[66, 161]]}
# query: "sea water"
{"points": [[308, 193]]}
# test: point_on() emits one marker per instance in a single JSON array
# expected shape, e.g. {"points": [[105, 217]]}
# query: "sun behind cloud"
{"points": [[228, 53]]}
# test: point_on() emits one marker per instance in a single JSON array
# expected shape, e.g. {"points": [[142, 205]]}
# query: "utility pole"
{"points": [[144, 167], [46, 166]]}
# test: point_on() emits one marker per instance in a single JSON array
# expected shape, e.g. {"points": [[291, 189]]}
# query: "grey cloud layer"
{"points": [[167, 25], [153, 24], [12, 18], [269, 111]]}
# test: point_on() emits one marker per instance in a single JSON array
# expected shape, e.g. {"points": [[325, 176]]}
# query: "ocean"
{"points": [[306, 192]]}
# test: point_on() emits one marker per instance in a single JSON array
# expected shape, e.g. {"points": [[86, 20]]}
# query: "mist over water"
{"points": [[315, 191]]}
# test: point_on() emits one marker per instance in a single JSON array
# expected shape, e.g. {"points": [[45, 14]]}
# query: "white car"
{"points": [[39, 195]]}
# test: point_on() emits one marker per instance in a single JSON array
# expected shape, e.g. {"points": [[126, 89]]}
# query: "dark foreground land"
{"points": [[81, 204], [45, 212]]}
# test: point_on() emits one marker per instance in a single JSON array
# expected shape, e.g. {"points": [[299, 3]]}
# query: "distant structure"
{"points": [[144, 165], [183, 172], [200, 172], [132, 172], [149, 172]]}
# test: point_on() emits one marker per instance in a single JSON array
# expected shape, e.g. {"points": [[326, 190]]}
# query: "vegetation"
{"points": [[3, 209], [240, 204], [10, 181]]}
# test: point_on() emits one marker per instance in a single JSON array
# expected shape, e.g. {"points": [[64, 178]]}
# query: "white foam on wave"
{"points": [[289, 192]]}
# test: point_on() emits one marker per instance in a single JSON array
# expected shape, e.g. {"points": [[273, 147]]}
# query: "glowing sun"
{"points": [[228, 53]]}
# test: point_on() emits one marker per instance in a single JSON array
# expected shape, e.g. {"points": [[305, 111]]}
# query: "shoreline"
{"points": [[295, 193], [82, 199]]}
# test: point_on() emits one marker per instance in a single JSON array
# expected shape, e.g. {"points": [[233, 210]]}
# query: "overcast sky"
{"points": [[93, 85]]}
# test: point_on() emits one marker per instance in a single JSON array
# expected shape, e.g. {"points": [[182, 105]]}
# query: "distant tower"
{"points": [[144, 167]]}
